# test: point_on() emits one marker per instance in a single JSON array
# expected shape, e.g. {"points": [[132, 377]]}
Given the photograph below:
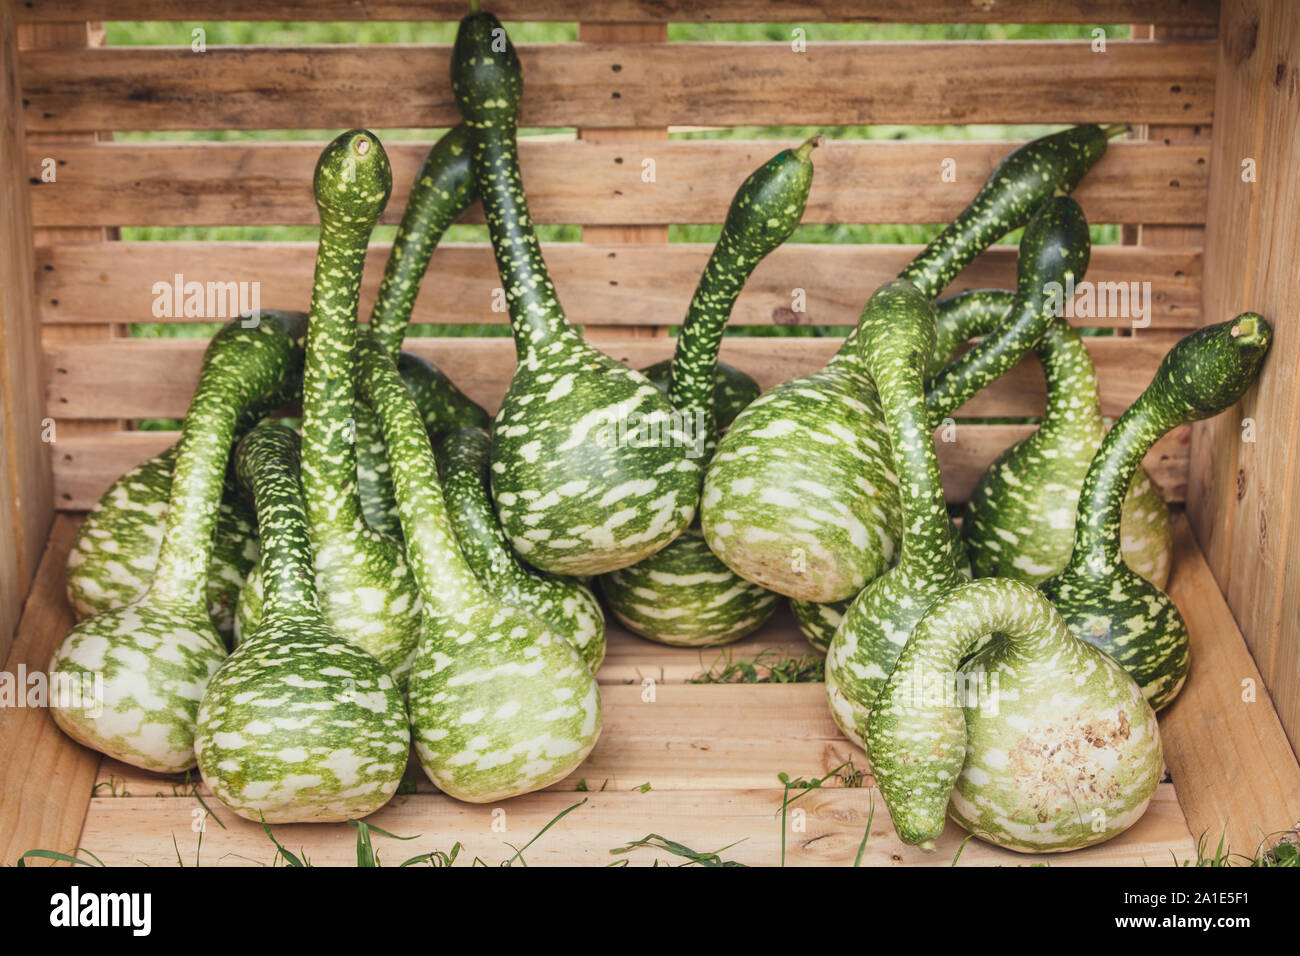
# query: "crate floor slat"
{"points": [[709, 753]]}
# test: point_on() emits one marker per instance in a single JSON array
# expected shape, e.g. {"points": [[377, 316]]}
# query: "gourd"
{"points": [[1019, 520], [1100, 598], [1038, 743], [683, 595], [895, 338], [733, 388], [799, 497], [500, 704], [567, 605], [442, 191], [590, 470], [297, 725], [145, 665], [113, 557]]}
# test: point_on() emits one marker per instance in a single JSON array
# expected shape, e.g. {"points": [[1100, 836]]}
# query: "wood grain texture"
{"points": [[45, 778], [85, 467], [1228, 754], [622, 85], [25, 482], [84, 379], [1244, 505], [605, 283], [655, 11], [589, 183]]}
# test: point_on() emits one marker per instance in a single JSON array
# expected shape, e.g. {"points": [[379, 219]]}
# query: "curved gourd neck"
{"points": [[329, 471], [267, 464], [1073, 402], [962, 317], [443, 190], [447, 583], [463, 461], [536, 318]]}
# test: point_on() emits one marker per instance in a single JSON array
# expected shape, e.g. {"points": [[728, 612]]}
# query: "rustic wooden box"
{"points": [[1212, 95]]}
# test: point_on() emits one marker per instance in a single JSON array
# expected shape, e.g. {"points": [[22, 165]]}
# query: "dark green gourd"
{"points": [[895, 336], [1101, 599], [1019, 521], [115, 552], [732, 388], [800, 496], [298, 725], [141, 669], [442, 191], [590, 466], [567, 605], [1038, 743], [683, 595], [500, 704]]}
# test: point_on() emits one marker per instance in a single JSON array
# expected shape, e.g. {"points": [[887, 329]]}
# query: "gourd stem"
{"points": [[962, 317], [329, 469], [267, 463], [536, 317], [446, 581]]}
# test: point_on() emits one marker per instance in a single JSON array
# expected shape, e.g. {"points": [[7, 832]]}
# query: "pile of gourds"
{"points": [[291, 608]]}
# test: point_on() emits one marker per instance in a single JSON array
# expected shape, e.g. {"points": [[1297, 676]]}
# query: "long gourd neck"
{"points": [[463, 465], [962, 317], [329, 472], [267, 463], [1101, 501], [443, 189], [447, 583], [1073, 401]]}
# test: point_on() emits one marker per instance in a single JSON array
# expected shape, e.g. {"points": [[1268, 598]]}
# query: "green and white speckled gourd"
{"points": [[567, 605], [1101, 599], [113, 557], [1038, 743], [500, 704], [895, 337], [152, 659], [1019, 520], [442, 191], [732, 388], [590, 466], [298, 725], [799, 497], [683, 595]]}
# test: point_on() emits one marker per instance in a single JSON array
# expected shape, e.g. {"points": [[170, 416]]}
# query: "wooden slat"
{"points": [[1246, 512], [87, 379], [620, 85], [1228, 754], [655, 11], [269, 183], [633, 283], [25, 482], [84, 467], [45, 778], [134, 832]]}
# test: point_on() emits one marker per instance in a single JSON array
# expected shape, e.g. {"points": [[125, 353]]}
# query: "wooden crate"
{"points": [[1210, 242]]}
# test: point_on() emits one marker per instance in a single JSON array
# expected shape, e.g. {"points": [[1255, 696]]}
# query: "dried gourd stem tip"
{"points": [[807, 146], [926, 846], [363, 146], [1116, 129], [1235, 330]]}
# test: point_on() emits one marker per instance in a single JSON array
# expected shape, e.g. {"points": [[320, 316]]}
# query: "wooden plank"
{"points": [[587, 183], [656, 11], [605, 283], [1244, 508], [621, 85], [85, 379], [829, 831], [85, 467], [1224, 744], [45, 778], [26, 503]]}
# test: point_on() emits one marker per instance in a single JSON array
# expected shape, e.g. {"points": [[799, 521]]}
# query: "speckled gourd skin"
{"points": [[567, 605], [443, 189], [895, 337], [500, 704], [298, 725], [1019, 520], [573, 494], [800, 496], [732, 388], [1046, 745], [683, 595], [155, 657], [1102, 600]]}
